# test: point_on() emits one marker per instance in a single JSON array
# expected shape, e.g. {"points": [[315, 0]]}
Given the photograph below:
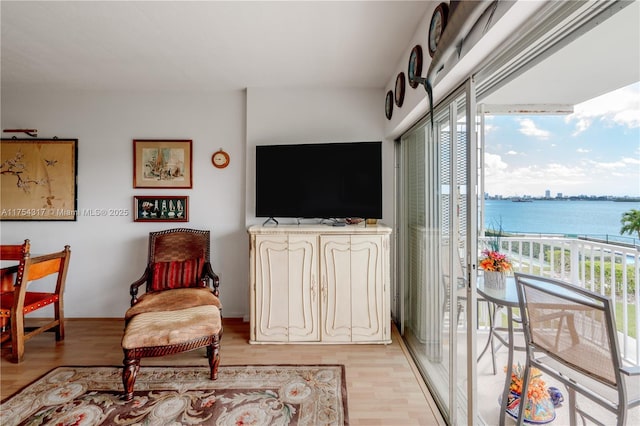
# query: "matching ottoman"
{"points": [[158, 333]]}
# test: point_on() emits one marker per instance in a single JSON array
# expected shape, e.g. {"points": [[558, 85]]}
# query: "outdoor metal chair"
{"points": [[570, 334]]}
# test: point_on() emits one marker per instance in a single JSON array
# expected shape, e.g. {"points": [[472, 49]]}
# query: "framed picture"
{"points": [[162, 164], [154, 208], [38, 179]]}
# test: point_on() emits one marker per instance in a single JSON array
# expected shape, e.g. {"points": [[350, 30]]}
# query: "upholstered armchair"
{"points": [[179, 310]]}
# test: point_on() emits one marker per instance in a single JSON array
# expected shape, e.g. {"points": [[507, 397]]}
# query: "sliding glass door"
{"points": [[437, 226]]}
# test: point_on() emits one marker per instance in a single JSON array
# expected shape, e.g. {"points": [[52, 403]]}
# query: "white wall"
{"points": [[275, 116], [108, 253]]}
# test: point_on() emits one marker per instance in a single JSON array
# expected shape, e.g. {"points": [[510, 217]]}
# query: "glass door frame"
{"points": [[451, 102]]}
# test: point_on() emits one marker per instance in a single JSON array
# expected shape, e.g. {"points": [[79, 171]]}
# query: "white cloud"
{"points": [[533, 179], [620, 107], [582, 124], [528, 127], [596, 166], [490, 128], [494, 162], [605, 178], [631, 160]]}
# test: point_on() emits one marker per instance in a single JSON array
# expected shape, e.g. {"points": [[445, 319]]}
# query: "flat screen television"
{"points": [[322, 180]]}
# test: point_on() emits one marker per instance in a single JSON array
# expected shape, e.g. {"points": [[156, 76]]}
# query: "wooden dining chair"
{"points": [[16, 300]]}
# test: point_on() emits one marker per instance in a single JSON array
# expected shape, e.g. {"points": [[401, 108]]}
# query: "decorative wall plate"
{"points": [[388, 105], [438, 23], [400, 89], [415, 65]]}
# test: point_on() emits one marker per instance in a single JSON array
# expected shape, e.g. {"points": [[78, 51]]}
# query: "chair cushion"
{"points": [[171, 328], [176, 274], [172, 300]]}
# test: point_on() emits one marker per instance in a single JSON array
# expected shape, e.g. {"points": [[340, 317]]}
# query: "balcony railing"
{"points": [[608, 269]]}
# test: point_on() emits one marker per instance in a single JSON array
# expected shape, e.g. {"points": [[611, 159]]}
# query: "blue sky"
{"points": [[593, 151]]}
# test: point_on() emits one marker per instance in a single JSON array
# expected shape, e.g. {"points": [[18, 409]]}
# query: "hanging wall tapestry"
{"points": [[38, 179]]}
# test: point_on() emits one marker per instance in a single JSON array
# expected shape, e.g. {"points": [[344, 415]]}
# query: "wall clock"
{"points": [[438, 23], [388, 105], [415, 66], [220, 159], [400, 89]]}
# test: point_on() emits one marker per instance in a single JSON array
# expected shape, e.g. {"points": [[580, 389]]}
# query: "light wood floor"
{"points": [[383, 386]]}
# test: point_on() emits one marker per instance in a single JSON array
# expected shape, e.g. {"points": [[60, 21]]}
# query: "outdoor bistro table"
{"points": [[508, 298]]}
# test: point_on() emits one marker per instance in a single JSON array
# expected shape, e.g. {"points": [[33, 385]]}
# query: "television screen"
{"points": [[325, 180]]}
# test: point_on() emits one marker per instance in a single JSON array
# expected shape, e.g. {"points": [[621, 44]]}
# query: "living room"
{"points": [[111, 73]]}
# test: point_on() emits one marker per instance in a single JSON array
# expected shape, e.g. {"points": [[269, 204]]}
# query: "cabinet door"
{"points": [[271, 288], [303, 289], [336, 288], [368, 319], [286, 292], [353, 289]]}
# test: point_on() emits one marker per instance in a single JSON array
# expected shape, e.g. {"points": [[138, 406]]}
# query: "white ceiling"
{"points": [[231, 45], [204, 45]]}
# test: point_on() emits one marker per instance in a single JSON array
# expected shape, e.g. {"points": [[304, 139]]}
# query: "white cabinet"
{"points": [[318, 283], [286, 288]]}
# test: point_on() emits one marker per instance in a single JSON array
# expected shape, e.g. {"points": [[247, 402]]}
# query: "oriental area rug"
{"points": [[242, 395]]}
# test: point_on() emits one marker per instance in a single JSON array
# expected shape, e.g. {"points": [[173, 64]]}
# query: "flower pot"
{"points": [[494, 280], [540, 412]]}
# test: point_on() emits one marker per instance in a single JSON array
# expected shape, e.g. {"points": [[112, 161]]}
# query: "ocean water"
{"points": [[579, 218]]}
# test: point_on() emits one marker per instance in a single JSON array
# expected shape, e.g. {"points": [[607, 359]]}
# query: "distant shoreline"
{"points": [[625, 199]]}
